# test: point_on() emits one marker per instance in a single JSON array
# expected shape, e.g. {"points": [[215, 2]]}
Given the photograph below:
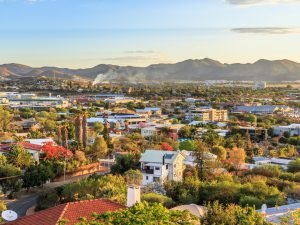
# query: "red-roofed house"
{"points": [[33, 149], [69, 212]]}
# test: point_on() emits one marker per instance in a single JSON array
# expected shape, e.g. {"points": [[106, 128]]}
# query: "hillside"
{"points": [[204, 69]]}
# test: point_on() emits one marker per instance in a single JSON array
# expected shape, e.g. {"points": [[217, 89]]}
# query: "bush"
{"points": [[294, 166], [293, 191], [280, 184], [231, 214], [47, 200], [297, 177], [154, 197], [287, 176], [267, 171], [275, 201], [251, 201]]}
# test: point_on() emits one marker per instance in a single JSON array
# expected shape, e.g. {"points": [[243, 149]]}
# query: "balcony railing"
{"points": [[148, 171]]}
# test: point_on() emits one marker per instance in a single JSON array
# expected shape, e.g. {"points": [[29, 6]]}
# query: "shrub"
{"points": [[280, 184], [267, 171], [297, 177], [293, 191], [294, 166], [274, 201], [251, 201], [287, 176], [47, 200], [154, 197]]}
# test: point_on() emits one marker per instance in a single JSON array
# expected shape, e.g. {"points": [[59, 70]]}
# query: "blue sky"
{"points": [[84, 33]]}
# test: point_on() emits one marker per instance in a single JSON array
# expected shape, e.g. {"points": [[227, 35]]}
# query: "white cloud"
{"points": [[255, 2], [267, 30]]}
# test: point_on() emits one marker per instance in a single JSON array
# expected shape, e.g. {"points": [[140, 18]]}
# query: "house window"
{"points": [[146, 177], [157, 168], [174, 165], [167, 166]]}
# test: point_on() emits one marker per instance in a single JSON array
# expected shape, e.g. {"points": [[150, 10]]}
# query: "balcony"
{"points": [[148, 171]]}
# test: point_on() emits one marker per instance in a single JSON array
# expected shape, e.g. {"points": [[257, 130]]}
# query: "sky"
{"points": [[85, 33]]}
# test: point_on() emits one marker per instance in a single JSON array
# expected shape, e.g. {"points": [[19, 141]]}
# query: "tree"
{"points": [[65, 137], [202, 162], [185, 132], [158, 198], [99, 148], [212, 138], [166, 147], [59, 135], [84, 130], [37, 175], [5, 120], [219, 151], [106, 132], [78, 129], [188, 145], [56, 152], [19, 157], [248, 145], [112, 187], [237, 158], [80, 156], [232, 214], [12, 182], [125, 163], [144, 213], [98, 127]]}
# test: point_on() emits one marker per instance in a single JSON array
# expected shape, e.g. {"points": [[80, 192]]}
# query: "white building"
{"points": [[148, 131], [260, 161], [292, 129], [158, 166]]}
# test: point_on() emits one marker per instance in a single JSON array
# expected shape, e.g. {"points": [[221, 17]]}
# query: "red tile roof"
{"points": [[26, 145], [70, 211]]}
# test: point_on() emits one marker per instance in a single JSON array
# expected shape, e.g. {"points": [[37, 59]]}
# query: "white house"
{"points": [[260, 161], [292, 129], [158, 166], [148, 131]]}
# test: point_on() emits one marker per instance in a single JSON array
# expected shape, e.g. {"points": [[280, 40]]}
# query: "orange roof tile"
{"points": [[71, 212]]}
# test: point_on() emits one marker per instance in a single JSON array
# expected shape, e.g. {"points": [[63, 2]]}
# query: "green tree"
{"points": [[188, 145], [12, 181], [219, 151], [125, 163], [37, 175], [19, 157], [5, 120], [158, 198], [232, 215], [143, 213], [201, 159], [99, 148], [98, 127], [212, 138]]}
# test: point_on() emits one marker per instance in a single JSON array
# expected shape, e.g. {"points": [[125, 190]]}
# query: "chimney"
{"points": [[133, 195]]}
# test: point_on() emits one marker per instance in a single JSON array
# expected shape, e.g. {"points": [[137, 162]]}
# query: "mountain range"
{"points": [[203, 69]]}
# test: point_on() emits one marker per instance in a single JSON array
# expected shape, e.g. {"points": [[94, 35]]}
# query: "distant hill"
{"points": [[204, 69]]}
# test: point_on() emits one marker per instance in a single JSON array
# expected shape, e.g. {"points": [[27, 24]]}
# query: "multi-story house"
{"points": [[205, 115], [158, 166]]}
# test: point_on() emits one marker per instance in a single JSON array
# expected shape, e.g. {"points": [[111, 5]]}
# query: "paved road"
{"points": [[21, 205]]}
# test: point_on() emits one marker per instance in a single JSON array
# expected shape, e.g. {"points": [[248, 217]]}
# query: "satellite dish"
{"points": [[9, 215], [264, 208]]}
